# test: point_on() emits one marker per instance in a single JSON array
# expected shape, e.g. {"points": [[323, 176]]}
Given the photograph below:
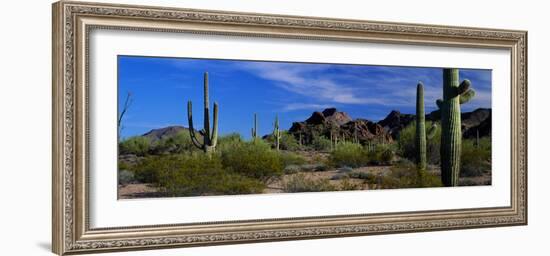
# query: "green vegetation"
{"points": [[407, 175], [349, 154], [381, 154], [254, 160], [300, 183], [179, 143], [137, 145], [193, 174], [476, 158], [406, 142], [321, 143]]}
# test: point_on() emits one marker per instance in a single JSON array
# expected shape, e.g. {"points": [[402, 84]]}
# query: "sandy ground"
{"points": [[140, 190]]}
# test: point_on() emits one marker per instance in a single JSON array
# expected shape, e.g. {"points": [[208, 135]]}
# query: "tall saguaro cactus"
{"points": [[277, 133], [454, 94], [420, 128], [210, 137], [255, 128]]}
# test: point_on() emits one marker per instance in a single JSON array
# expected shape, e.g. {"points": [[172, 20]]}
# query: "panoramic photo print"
{"points": [[208, 127]]}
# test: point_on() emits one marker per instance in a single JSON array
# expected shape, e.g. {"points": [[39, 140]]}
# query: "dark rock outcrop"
{"points": [[340, 124], [472, 122], [395, 122], [477, 121]]}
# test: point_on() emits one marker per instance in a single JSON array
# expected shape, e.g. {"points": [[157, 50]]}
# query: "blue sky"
{"points": [[161, 87]]}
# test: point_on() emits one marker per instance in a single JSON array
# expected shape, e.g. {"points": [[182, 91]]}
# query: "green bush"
{"points": [[179, 143], [475, 159], [349, 154], [367, 176], [195, 174], [300, 183], [291, 169], [382, 154], [320, 143], [229, 141], [407, 146], [125, 177], [137, 145], [287, 141], [407, 176], [290, 158], [254, 160], [346, 185]]}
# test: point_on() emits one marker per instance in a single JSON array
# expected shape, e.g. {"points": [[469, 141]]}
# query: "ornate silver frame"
{"points": [[72, 22]]}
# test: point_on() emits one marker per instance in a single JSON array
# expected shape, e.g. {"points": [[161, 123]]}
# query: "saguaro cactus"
{"points": [[210, 137], [420, 128], [277, 133], [255, 128], [454, 94]]}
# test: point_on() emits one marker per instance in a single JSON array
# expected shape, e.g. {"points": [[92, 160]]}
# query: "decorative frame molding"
{"points": [[72, 22]]}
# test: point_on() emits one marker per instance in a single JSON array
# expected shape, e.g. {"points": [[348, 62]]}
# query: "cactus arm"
{"points": [[191, 128], [214, 138], [464, 86], [467, 96]]}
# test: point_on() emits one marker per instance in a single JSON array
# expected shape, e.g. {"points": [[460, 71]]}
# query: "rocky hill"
{"points": [[340, 124], [472, 122], [331, 121], [162, 133]]}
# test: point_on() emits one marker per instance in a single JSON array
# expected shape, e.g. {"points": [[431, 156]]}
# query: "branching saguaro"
{"points": [[454, 94], [210, 137]]}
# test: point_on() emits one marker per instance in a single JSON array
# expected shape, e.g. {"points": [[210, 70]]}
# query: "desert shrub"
{"points": [[320, 167], [229, 141], [367, 176], [137, 145], [254, 160], [125, 177], [290, 158], [407, 146], [196, 174], [339, 176], [406, 175], [475, 159], [382, 154], [349, 154], [291, 169], [122, 165], [147, 169], [300, 183], [288, 142], [346, 184], [179, 143], [320, 143]]}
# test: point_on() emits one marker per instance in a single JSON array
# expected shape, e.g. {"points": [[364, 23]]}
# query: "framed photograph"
{"points": [[179, 127]]}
